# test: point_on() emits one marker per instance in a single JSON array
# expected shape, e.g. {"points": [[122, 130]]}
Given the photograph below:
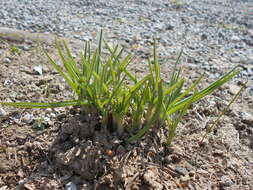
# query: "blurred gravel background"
{"points": [[214, 34]]}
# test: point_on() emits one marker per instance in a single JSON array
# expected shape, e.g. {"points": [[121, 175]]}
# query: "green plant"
{"points": [[225, 26], [15, 50], [177, 3], [107, 88], [209, 129], [39, 123]]}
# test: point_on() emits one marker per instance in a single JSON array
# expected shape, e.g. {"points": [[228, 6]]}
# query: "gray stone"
{"points": [[233, 89], [181, 170], [203, 37], [236, 59], [2, 112], [71, 186], [226, 181], [28, 118], [7, 60], [235, 39], [169, 27], [249, 60], [38, 70], [25, 48], [247, 118], [4, 187]]}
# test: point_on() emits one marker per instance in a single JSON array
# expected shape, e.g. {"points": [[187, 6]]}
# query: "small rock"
{"points": [[52, 115], [7, 82], [38, 70], [2, 112], [192, 173], [181, 170], [248, 41], [7, 60], [185, 179], [220, 35], [151, 178], [247, 118], [22, 182], [226, 181], [25, 48], [20, 174], [233, 89], [250, 31], [235, 59], [27, 118], [3, 188], [71, 186], [169, 27], [202, 172], [203, 37], [218, 153], [235, 39], [249, 58]]}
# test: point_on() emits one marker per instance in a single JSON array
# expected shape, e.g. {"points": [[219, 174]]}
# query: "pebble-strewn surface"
{"points": [[212, 33], [215, 35]]}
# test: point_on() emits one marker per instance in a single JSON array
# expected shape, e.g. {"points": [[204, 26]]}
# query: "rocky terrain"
{"points": [[214, 35], [207, 30]]}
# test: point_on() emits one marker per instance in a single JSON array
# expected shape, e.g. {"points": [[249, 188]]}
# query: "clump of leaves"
{"points": [[40, 123], [15, 50], [106, 87]]}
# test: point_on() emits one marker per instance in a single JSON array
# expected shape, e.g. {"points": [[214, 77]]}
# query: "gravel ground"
{"points": [[215, 36], [206, 30]]}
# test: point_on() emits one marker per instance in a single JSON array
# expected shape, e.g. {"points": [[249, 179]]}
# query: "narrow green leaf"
{"points": [[154, 117], [175, 73], [173, 126], [151, 70], [177, 97], [156, 67], [44, 105], [68, 63], [92, 67], [134, 89], [177, 106], [209, 129], [116, 57], [140, 104], [115, 90], [59, 70]]}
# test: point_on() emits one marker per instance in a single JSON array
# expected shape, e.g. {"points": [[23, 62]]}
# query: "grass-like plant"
{"points": [[106, 87], [15, 50]]}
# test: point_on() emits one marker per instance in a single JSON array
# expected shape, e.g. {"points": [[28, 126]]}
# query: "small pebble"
{"points": [[7, 60], [38, 70], [4, 188], [235, 39], [71, 186], [226, 181], [2, 112], [181, 170], [247, 118], [28, 118], [218, 153], [233, 89]]}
